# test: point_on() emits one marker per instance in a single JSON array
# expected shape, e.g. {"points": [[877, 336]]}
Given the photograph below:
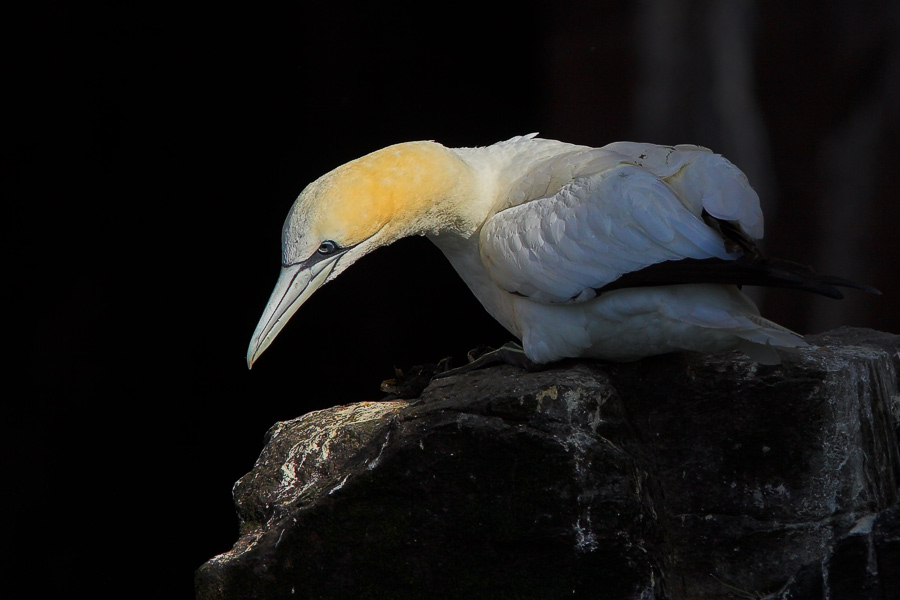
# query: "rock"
{"points": [[864, 564], [681, 476]]}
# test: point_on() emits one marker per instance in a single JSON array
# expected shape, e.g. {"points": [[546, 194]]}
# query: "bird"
{"points": [[617, 252]]}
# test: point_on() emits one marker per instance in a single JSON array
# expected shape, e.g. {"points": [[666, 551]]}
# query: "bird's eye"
{"points": [[327, 247]]}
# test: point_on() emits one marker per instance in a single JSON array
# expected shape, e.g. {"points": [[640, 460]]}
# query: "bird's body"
{"points": [[619, 252]]}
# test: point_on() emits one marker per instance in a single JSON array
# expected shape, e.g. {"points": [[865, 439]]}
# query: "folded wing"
{"points": [[626, 208]]}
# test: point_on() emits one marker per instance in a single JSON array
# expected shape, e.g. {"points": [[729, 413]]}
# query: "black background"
{"points": [[152, 154]]}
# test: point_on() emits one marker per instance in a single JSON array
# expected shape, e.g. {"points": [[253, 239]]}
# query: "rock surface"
{"points": [[681, 476]]}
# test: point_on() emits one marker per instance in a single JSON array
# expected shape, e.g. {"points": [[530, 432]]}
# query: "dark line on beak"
{"points": [[280, 300]]}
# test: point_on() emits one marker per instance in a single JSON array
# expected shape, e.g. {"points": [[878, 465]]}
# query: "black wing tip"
{"points": [[807, 279], [746, 270], [775, 272], [832, 282], [862, 287]]}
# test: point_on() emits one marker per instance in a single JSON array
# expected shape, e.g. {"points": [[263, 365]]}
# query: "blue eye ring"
{"points": [[327, 247]]}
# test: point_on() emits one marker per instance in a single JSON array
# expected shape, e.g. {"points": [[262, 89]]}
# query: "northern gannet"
{"points": [[619, 252]]}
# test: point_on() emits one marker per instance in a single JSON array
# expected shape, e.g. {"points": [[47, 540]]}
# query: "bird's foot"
{"points": [[410, 383], [509, 353]]}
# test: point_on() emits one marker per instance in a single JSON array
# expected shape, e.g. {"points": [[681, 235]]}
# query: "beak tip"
{"points": [[295, 284]]}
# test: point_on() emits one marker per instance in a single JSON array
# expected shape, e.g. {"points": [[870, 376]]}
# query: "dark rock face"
{"points": [[681, 476]]}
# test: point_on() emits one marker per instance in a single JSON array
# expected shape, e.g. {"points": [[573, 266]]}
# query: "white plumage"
{"points": [[618, 252]]}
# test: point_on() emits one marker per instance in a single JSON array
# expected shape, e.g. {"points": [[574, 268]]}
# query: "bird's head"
{"points": [[401, 190]]}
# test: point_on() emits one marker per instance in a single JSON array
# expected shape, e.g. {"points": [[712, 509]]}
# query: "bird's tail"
{"points": [[760, 342]]}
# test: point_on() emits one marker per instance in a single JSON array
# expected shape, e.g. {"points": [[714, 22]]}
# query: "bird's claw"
{"points": [[509, 353]]}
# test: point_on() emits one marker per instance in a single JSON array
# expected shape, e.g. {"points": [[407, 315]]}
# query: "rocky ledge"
{"points": [[681, 476]]}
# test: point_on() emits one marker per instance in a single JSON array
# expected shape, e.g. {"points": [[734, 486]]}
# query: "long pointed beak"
{"points": [[295, 284]]}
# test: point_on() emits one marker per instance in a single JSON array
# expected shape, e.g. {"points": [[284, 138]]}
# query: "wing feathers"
{"points": [[702, 180], [592, 231], [632, 215]]}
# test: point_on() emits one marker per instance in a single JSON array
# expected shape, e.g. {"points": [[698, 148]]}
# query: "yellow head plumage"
{"points": [[396, 191]]}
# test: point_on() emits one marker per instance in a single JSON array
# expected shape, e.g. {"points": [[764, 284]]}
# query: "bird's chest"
{"points": [[465, 256]]}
